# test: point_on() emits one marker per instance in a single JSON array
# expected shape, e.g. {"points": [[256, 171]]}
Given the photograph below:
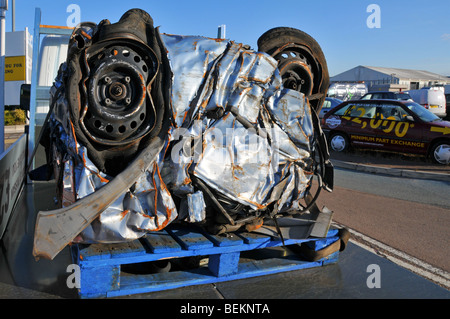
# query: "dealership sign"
{"points": [[15, 68]]}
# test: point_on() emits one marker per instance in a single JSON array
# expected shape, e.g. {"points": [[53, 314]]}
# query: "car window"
{"points": [[326, 104], [392, 112], [367, 97], [402, 96], [377, 96], [342, 110], [422, 112], [361, 110]]}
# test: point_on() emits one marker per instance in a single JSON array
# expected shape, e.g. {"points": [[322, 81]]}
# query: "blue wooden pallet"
{"points": [[100, 264]]}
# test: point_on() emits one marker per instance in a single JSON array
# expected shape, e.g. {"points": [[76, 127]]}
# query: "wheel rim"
{"points": [[442, 154], [295, 71], [117, 109], [338, 143]]}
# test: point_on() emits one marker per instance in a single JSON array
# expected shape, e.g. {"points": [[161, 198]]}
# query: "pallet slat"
{"points": [[188, 239], [224, 240], [128, 249], [161, 242], [253, 238]]}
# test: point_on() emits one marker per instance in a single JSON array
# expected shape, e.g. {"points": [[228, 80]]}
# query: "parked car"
{"points": [[387, 96], [432, 99], [329, 104], [391, 125]]}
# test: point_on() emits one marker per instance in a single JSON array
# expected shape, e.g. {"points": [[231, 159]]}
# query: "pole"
{"points": [[221, 30], [3, 8], [34, 78], [13, 17]]}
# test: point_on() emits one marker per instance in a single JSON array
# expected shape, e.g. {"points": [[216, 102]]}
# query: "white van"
{"points": [[53, 52], [447, 97], [432, 99]]}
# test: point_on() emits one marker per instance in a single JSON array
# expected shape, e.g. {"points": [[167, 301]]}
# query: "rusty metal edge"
{"points": [[56, 229]]}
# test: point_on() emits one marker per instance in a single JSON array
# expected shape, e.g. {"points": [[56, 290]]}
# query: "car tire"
{"points": [[440, 153], [339, 142], [116, 86], [301, 62]]}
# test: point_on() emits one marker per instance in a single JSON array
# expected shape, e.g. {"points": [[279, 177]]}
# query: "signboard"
{"points": [[12, 174], [15, 68]]}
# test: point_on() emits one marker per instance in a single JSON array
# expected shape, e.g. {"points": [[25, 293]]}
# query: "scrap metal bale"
{"points": [[172, 128]]}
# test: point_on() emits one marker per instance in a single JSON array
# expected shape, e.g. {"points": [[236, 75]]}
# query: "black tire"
{"points": [[106, 87], [440, 153], [300, 59], [339, 142]]}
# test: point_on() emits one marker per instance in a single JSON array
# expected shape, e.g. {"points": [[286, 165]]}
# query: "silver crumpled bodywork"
{"points": [[235, 128]]}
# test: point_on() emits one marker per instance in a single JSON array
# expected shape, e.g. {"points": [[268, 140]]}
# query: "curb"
{"points": [[14, 129], [391, 171]]}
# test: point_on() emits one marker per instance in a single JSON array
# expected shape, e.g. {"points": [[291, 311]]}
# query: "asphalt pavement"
{"points": [[402, 165]]}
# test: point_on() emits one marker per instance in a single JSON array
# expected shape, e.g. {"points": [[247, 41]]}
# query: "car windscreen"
{"points": [[357, 110], [422, 112], [403, 96], [342, 110]]}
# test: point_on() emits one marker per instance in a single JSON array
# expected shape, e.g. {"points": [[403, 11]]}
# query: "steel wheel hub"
{"points": [[295, 71], [117, 110]]}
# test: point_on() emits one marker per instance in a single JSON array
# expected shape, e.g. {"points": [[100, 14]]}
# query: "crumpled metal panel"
{"points": [[235, 128], [245, 164], [192, 208], [233, 166], [149, 207], [191, 57]]}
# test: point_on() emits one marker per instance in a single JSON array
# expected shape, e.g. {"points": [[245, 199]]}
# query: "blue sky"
{"points": [[413, 34]]}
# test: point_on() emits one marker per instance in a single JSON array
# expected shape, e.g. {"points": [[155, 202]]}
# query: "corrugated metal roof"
{"points": [[409, 74]]}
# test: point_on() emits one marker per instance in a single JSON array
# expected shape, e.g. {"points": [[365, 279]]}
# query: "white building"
{"points": [[391, 78], [18, 63]]}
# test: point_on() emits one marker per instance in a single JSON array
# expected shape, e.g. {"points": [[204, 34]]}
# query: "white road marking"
{"points": [[400, 258]]}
